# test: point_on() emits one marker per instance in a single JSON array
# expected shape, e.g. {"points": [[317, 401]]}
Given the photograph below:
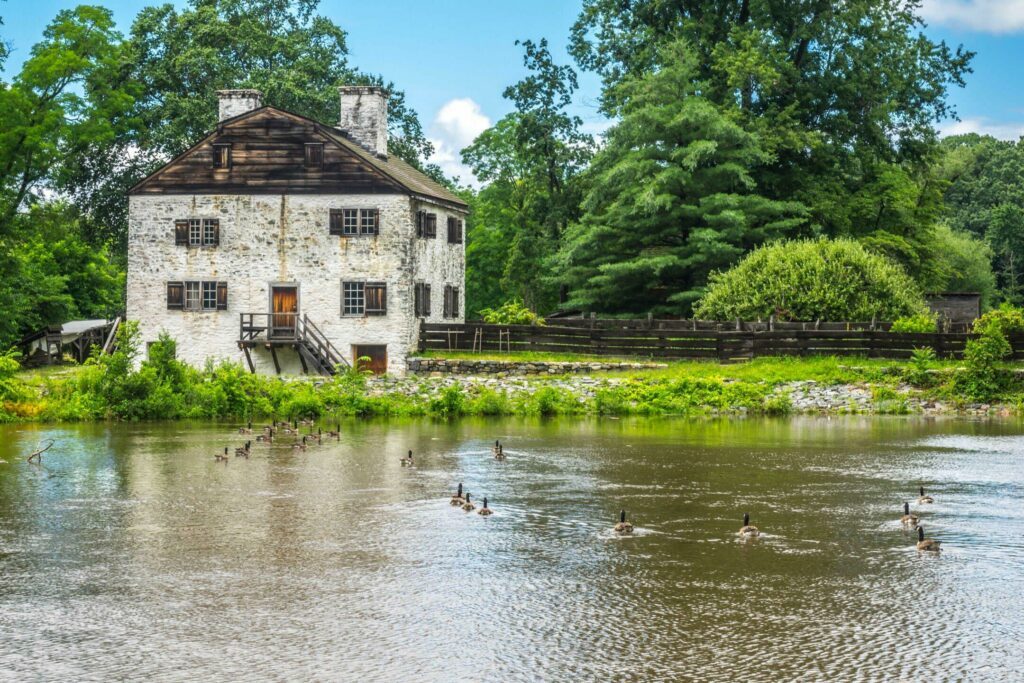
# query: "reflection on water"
{"points": [[132, 553]]}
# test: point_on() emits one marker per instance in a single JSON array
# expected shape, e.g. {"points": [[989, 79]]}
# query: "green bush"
{"points": [[511, 313], [983, 378], [917, 372], [921, 322], [1006, 319], [811, 280]]}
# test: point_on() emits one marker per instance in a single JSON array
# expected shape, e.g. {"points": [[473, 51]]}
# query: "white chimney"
{"points": [[235, 102], [364, 116]]}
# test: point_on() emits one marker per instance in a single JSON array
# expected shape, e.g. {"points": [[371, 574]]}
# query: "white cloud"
{"points": [[1004, 130], [457, 123], [988, 16]]}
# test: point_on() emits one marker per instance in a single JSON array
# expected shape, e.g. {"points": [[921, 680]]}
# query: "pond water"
{"points": [[131, 553]]}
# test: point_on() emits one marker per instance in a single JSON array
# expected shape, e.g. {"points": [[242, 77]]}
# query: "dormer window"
{"points": [[315, 154], [222, 155]]}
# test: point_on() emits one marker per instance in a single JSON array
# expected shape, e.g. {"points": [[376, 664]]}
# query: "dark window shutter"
{"points": [[458, 231], [455, 302], [222, 296], [376, 298], [336, 222], [181, 233], [419, 223], [426, 301], [175, 295]]}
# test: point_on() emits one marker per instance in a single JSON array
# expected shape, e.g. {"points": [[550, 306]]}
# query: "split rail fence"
{"points": [[683, 339]]}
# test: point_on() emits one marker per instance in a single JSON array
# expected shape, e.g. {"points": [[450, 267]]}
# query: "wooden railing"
{"points": [[723, 345], [291, 328]]}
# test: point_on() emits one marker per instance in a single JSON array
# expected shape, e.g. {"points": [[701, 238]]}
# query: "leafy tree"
{"points": [[672, 197], [812, 280], [843, 96], [984, 193], [530, 161], [66, 98], [964, 264]]}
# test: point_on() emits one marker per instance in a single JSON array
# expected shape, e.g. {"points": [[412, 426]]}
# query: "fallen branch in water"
{"points": [[38, 455]]}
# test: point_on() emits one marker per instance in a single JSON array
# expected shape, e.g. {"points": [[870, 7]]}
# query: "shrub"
{"points": [[1006, 319], [451, 402], [983, 378], [511, 313], [810, 280], [921, 322], [917, 370]]}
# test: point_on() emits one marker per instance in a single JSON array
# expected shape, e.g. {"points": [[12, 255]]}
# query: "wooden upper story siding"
{"points": [[268, 157]]}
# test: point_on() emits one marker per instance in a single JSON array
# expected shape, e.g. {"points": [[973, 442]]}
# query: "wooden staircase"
{"points": [[316, 351], [274, 330]]}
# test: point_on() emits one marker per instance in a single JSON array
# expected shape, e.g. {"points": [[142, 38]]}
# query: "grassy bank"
{"points": [[109, 387]]}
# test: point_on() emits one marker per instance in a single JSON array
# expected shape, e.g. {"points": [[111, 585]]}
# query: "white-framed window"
{"points": [[197, 232], [364, 298], [192, 296], [354, 222], [352, 298]]}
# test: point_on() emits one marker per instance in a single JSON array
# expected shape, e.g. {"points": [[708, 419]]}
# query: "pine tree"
{"points": [[672, 198]]}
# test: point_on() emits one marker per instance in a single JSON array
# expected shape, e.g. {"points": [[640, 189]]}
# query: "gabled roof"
{"points": [[390, 172]]}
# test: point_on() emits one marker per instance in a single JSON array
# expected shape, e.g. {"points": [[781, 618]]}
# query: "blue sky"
{"points": [[454, 57]]}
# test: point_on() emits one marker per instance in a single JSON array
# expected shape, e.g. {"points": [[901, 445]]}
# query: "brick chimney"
{"points": [[235, 102], [364, 116]]}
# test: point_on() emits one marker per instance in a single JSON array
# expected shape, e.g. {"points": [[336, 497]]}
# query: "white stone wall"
{"points": [[274, 239], [438, 263]]}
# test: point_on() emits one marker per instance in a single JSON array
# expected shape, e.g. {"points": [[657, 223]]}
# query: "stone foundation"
{"points": [[501, 368]]}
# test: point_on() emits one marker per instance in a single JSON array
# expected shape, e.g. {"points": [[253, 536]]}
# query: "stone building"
{"points": [[292, 246]]}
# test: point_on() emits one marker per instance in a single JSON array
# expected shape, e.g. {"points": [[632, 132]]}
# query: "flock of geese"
{"points": [[463, 499]]}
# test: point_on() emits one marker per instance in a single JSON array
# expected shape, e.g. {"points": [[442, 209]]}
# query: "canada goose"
{"points": [[500, 453], [747, 531], [246, 430], [496, 447], [222, 456], [319, 436], [407, 461], [484, 510], [457, 499], [301, 446], [908, 519], [468, 506], [266, 438], [623, 527], [926, 544], [336, 434], [308, 422], [243, 452], [924, 499]]}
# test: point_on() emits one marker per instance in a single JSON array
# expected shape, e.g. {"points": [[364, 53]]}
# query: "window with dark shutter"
{"points": [[451, 302], [454, 230], [315, 154], [222, 155], [222, 296], [181, 233], [430, 225], [420, 220], [376, 296], [175, 295], [336, 222], [421, 300]]}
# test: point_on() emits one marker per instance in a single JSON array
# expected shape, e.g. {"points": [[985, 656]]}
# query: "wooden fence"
{"points": [[672, 340]]}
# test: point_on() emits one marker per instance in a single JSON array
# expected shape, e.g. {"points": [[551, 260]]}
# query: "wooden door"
{"points": [[286, 309], [377, 355]]}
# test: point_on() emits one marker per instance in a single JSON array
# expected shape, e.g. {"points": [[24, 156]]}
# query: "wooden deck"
{"points": [[273, 331]]}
